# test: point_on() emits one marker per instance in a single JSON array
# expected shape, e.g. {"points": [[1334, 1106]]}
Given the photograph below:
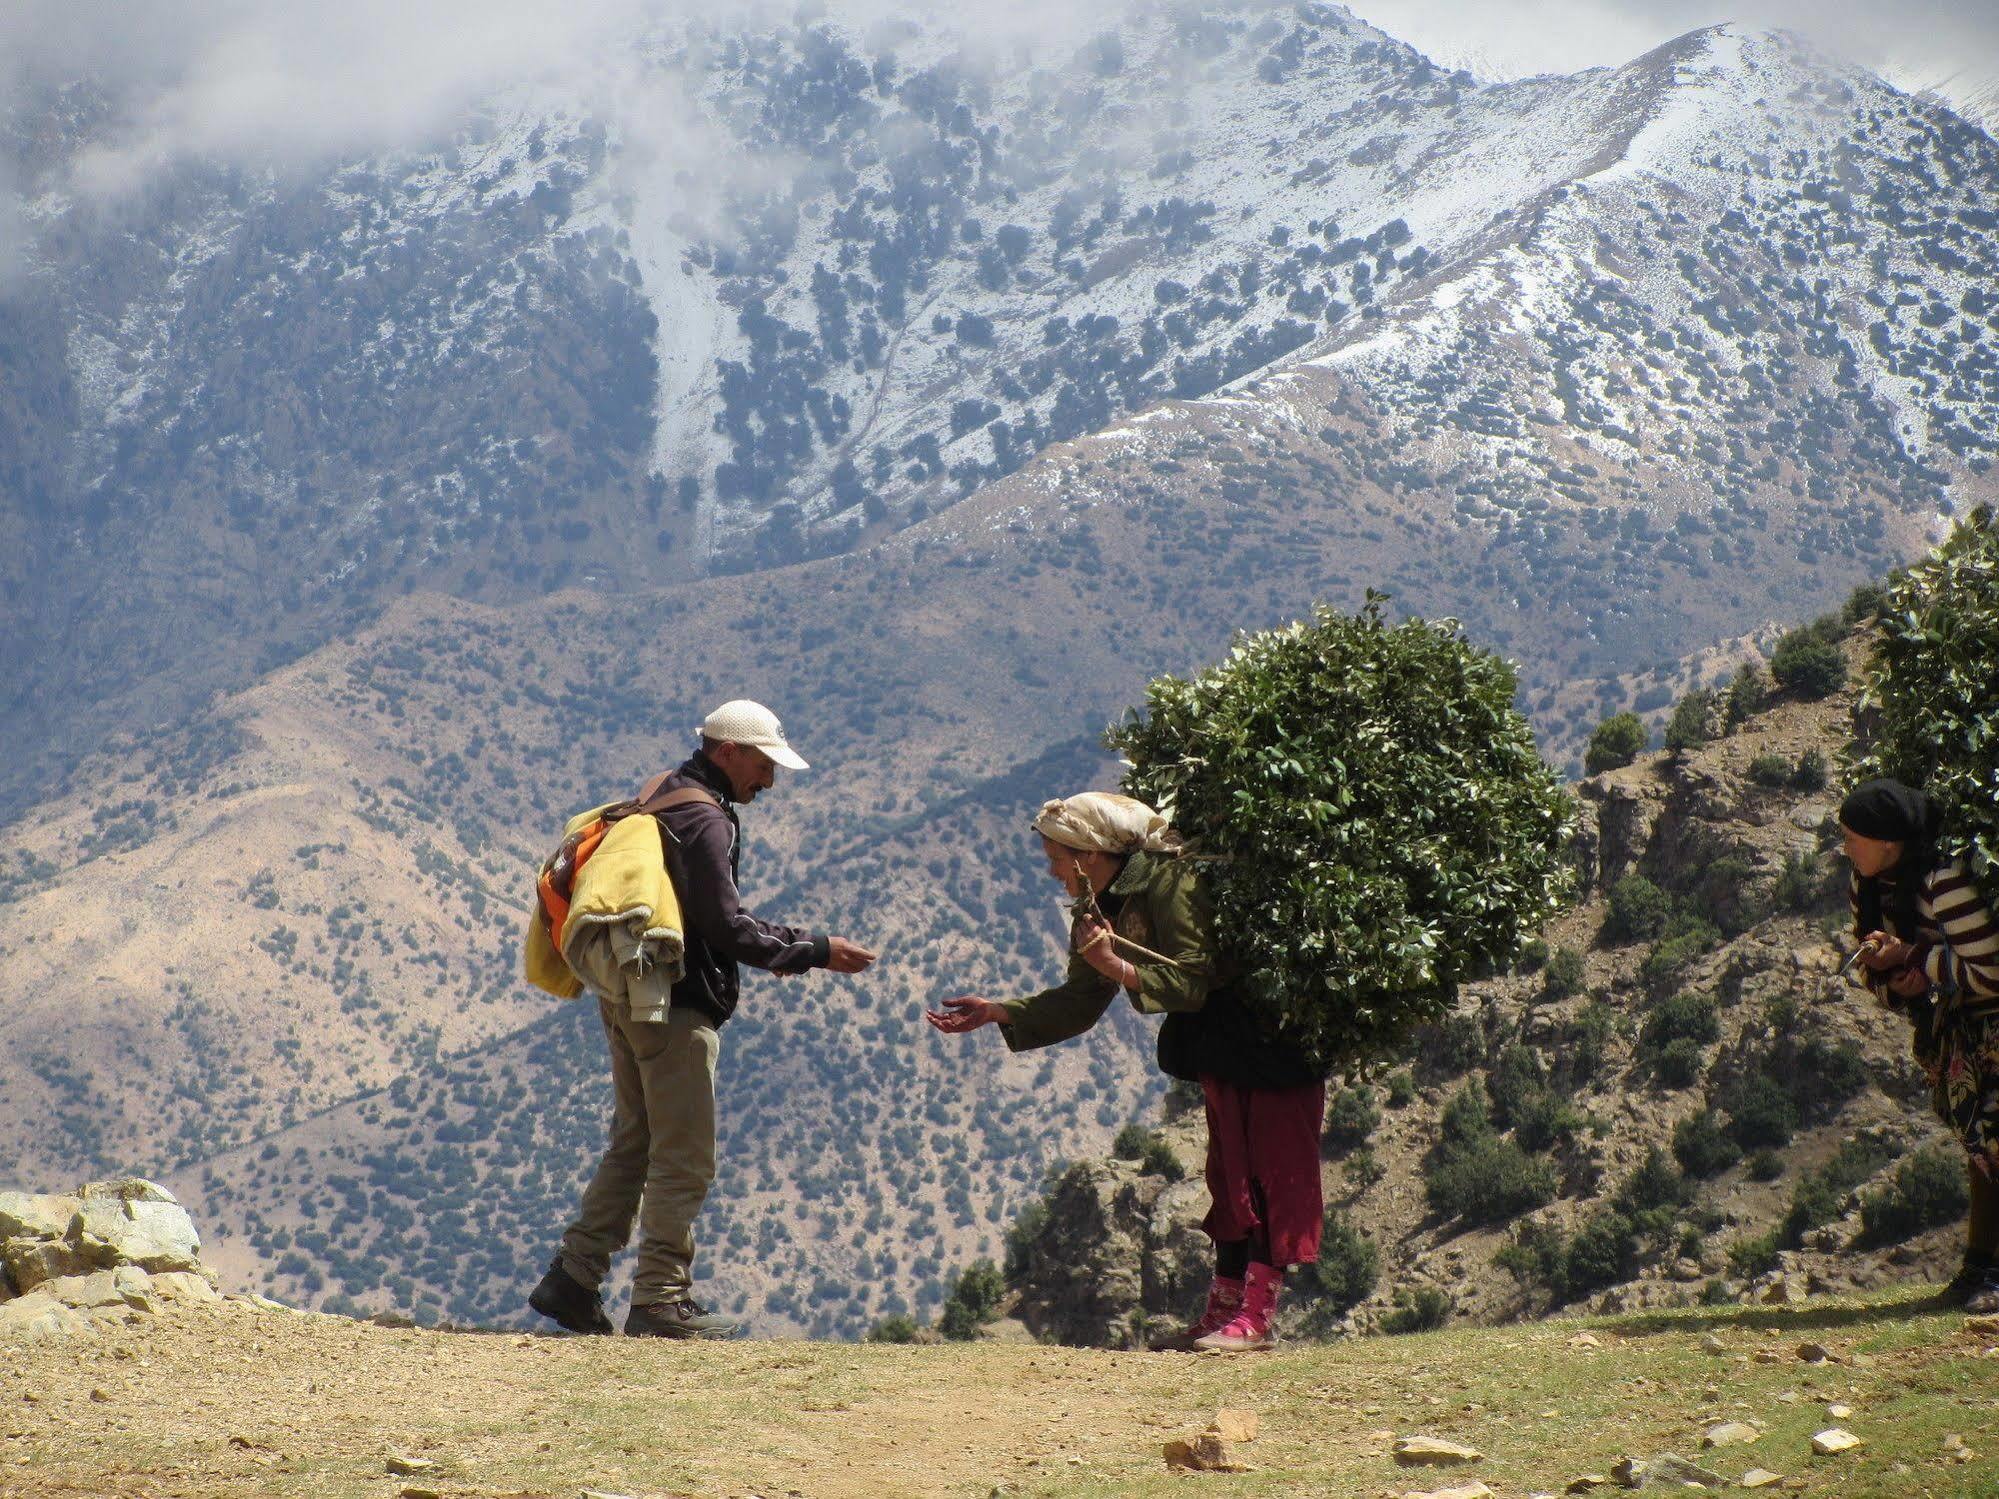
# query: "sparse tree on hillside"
{"points": [[1618, 740]]}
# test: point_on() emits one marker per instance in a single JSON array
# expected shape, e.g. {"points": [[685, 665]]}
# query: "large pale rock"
{"points": [[1206, 1453], [184, 1285], [141, 1223], [1236, 1425], [35, 1215], [39, 1317], [1473, 1490], [1730, 1434], [83, 1292], [29, 1262], [1834, 1441], [1666, 1471]]}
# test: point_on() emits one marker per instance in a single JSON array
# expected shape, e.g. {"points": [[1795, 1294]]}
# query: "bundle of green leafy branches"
{"points": [[1376, 823], [1934, 686]]}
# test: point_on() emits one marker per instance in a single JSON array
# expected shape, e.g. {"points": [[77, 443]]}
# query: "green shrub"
{"points": [[1420, 1310], [1532, 957], [1825, 1076], [1866, 602], [1397, 830], [1656, 1183], [1695, 720], [1638, 909], [1689, 1017], [1678, 1063], [1545, 1120], [898, 1327], [1159, 1160], [1488, 1181], [1351, 1117], [1587, 1043], [1802, 883], [1748, 691], [1938, 696], [1362, 1169], [1807, 665], [1564, 975], [1717, 1293], [1130, 1143], [1467, 1116], [1764, 1165], [1812, 772], [1756, 1255], [1760, 1112], [1770, 769], [972, 1301], [1453, 1046], [1702, 1147], [1349, 1264], [1929, 1191], [1673, 957], [1533, 1256], [1602, 1252], [1401, 1089], [1516, 1078], [1615, 743], [1820, 1194], [1020, 1236]]}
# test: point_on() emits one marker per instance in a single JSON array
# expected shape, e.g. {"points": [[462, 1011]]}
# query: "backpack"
{"points": [[555, 882]]}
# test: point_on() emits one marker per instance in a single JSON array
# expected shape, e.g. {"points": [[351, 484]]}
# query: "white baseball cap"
{"points": [[745, 722]]}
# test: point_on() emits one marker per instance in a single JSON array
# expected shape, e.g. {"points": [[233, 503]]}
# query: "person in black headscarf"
{"points": [[1930, 949]]}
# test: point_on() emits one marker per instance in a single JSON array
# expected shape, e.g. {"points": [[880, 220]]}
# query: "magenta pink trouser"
{"points": [[1263, 1167]]}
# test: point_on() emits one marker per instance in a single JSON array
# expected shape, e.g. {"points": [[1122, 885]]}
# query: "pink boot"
{"points": [[1249, 1329], [1224, 1299]]}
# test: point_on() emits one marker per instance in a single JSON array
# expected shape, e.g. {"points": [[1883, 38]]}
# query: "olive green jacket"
{"points": [[1164, 908]]}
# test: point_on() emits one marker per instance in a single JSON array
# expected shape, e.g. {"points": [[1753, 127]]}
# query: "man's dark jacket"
{"points": [[703, 850]]}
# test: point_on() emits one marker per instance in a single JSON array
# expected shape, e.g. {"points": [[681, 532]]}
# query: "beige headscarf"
{"points": [[1104, 822]]}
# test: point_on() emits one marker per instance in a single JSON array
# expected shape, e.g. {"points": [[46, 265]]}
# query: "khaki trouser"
{"points": [[661, 1156]]}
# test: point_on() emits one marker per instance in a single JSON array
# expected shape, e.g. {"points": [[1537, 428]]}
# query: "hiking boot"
{"points": [[677, 1319], [1249, 1330], [570, 1304], [1983, 1299], [1224, 1298], [1970, 1274]]}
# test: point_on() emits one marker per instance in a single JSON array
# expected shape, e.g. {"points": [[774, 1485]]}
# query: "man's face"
{"points": [[749, 770]]}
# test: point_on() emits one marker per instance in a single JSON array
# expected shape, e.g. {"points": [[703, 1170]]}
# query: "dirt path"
{"points": [[231, 1401]]}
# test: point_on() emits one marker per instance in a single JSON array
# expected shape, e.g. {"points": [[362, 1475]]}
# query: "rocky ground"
{"points": [[232, 1397]]}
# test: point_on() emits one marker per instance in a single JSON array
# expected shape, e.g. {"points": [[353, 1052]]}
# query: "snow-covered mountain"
{"points": [[1651, 300]]}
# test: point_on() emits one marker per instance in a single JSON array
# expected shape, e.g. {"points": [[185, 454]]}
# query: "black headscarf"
{"points": [[1894, 813]]}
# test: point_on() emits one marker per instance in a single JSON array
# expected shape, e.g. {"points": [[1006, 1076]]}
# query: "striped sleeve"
{"points": [[1877, 984], [1970, 928]]}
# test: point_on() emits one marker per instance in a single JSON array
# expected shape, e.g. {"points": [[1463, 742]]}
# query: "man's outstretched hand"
{"points": [[847, 957], [965, 1012]]}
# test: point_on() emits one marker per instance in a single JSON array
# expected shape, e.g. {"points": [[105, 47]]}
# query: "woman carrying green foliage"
{"points": [[1264, 1099], [1929, 947]]}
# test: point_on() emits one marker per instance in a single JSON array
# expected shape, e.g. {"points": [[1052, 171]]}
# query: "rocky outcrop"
{"points": [[110, 1250], [1120, 1254]]}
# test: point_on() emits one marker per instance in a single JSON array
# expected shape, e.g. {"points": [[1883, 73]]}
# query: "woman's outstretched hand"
{"points": [[965, 1012]]}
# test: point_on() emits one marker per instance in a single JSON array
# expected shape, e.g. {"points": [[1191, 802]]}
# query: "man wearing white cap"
{"points": [[661, 1157]]}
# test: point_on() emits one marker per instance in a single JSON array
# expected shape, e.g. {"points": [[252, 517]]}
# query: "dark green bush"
{"points": [[1825, 1075], [1807, 665], [1587, 1043], [1615, 743], [1131, 1142], [1638, 909], [1770, 769], [1564, 975], [1802, 883], [898, 1327], [1678, 1063], [1532, 957], [1545, 1120], [1159, 1160], [1702, 1147], [1812, 772], [1351, 1118], [1656, 1183], [1673, 957], [1488, 1181], [1349, 1264], [1748, 691], [1764, 1165], [1398, 831], [1602, 1252], [1453, 1046], [1516, 1078], [1401, 1089], [1938, 695], [1760, 1112], [1821, 1194], [1533, 1256], [1696, 719], [1756, 1255], [972, 1301], [1929, 1191], [1690, 1017], [1420, 1310]]}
